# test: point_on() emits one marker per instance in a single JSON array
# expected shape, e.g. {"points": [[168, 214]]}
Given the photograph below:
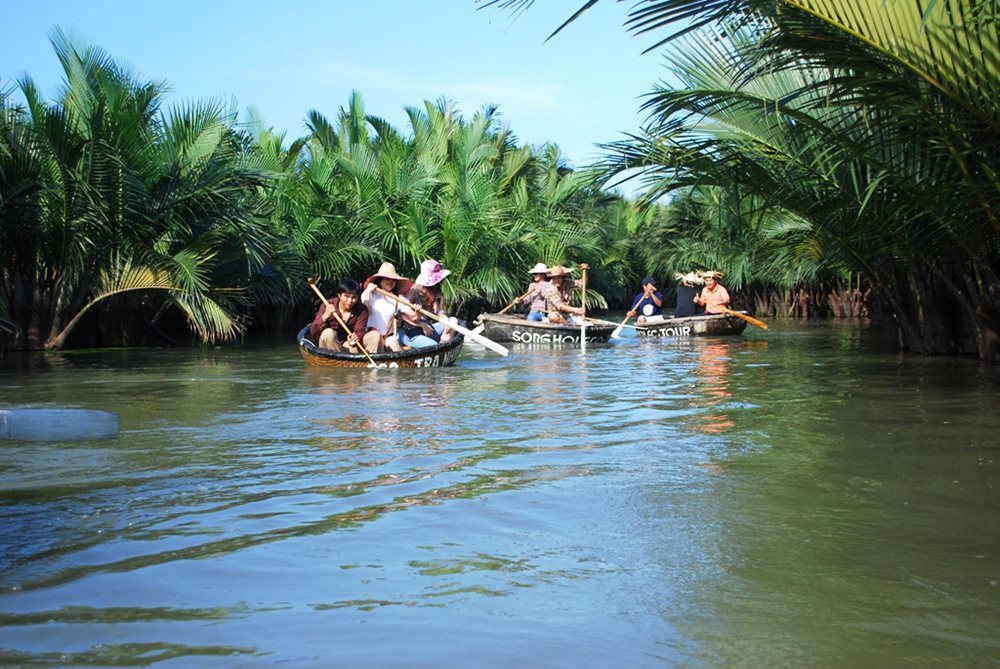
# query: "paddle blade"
{"points": [[478, 330], [618, 330], [748, 319]]}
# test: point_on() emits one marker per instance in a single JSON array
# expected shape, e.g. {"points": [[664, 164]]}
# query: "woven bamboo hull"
{"points": [[441, 355], [693, 326], [501, 327]]}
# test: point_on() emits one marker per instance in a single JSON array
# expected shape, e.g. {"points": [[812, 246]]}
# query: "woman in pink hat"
{"points": [[382, 310], [415, 329]]}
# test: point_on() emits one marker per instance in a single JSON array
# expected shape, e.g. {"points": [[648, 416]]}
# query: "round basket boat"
{"points": [[441, 355], [709, 325], [505, 327]]}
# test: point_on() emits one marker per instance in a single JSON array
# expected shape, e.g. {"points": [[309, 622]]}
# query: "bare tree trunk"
{"points": [[908, 335], [857, 304], [36, 311]]}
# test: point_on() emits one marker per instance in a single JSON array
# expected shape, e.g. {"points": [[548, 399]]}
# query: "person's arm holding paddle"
{"points": [[326, 321], [328, 337], [343, 311], [454, 325], [635, 305], [412, 318], [555, 305], [656, 296], [357, 320]]}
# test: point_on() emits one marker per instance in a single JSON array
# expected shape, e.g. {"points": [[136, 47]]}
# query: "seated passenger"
{"points": [[686, 294], [329, 333], [714, 296], [415, 329], [535, 298], [556, 304], [382, 310], [647, 303], [570, 285]]}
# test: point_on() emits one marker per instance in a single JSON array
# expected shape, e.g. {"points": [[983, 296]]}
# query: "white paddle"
{"points": [[583, 306], [488, 343], [618, 330]]}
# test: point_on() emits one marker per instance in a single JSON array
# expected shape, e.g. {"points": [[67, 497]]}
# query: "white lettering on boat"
{"points": [[545, 337], [676, 331], [430, 361]]}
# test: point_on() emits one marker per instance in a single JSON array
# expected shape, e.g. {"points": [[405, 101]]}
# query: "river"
{"points": [[796, 497]]}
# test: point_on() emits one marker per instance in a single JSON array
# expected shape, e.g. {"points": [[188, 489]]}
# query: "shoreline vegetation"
{"points": [[821, 187]]}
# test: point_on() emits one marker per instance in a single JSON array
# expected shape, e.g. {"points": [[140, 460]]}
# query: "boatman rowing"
{"points": [[714, 296]]}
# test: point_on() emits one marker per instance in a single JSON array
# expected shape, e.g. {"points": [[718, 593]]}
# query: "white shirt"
{"points": [[381, 309]]}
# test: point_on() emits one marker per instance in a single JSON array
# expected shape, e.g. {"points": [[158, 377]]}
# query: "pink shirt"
{"points": [[536, 297], [715, 299]]}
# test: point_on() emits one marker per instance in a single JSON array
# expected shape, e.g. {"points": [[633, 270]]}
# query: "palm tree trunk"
{"points": [[908, 335], [59, 340]]}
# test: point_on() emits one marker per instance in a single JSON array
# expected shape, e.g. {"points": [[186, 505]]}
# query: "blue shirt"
{"points": [[645, 305]]}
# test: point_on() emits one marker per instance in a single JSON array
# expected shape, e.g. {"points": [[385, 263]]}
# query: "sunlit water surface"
{"points": [[790, 498]]}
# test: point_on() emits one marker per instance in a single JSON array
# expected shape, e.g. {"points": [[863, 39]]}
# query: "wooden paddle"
{"points": [[361, 345], [479, 328], [488, 343], [748, 319], [509, 306], [583, 304]]}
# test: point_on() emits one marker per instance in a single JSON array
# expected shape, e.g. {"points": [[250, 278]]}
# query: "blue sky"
{"points": [[285, 58]]}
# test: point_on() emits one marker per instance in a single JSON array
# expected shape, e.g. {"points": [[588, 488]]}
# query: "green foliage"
{"points": [[457, 190], [814, 137], [101, 180], [110, 204]]}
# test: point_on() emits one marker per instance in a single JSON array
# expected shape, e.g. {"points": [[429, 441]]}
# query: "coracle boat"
{"points": [[708, 325], [506, 327], [441, 355]]}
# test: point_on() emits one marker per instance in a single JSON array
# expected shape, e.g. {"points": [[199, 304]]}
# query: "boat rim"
{"points": [[390, 356]]}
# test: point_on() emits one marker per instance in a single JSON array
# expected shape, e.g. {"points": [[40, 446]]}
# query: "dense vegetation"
{"points": [[830, 161], [834, 139], [134, 220]]}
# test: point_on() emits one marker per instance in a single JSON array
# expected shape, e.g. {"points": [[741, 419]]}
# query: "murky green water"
{"points": [[789, 498]]}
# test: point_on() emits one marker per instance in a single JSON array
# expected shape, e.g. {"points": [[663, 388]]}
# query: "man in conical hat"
{"points": [[569, 284], [557, 307]]}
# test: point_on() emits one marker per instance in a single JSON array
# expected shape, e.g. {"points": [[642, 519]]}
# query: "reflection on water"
{"points": [[712, 376], [782, 498]]}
